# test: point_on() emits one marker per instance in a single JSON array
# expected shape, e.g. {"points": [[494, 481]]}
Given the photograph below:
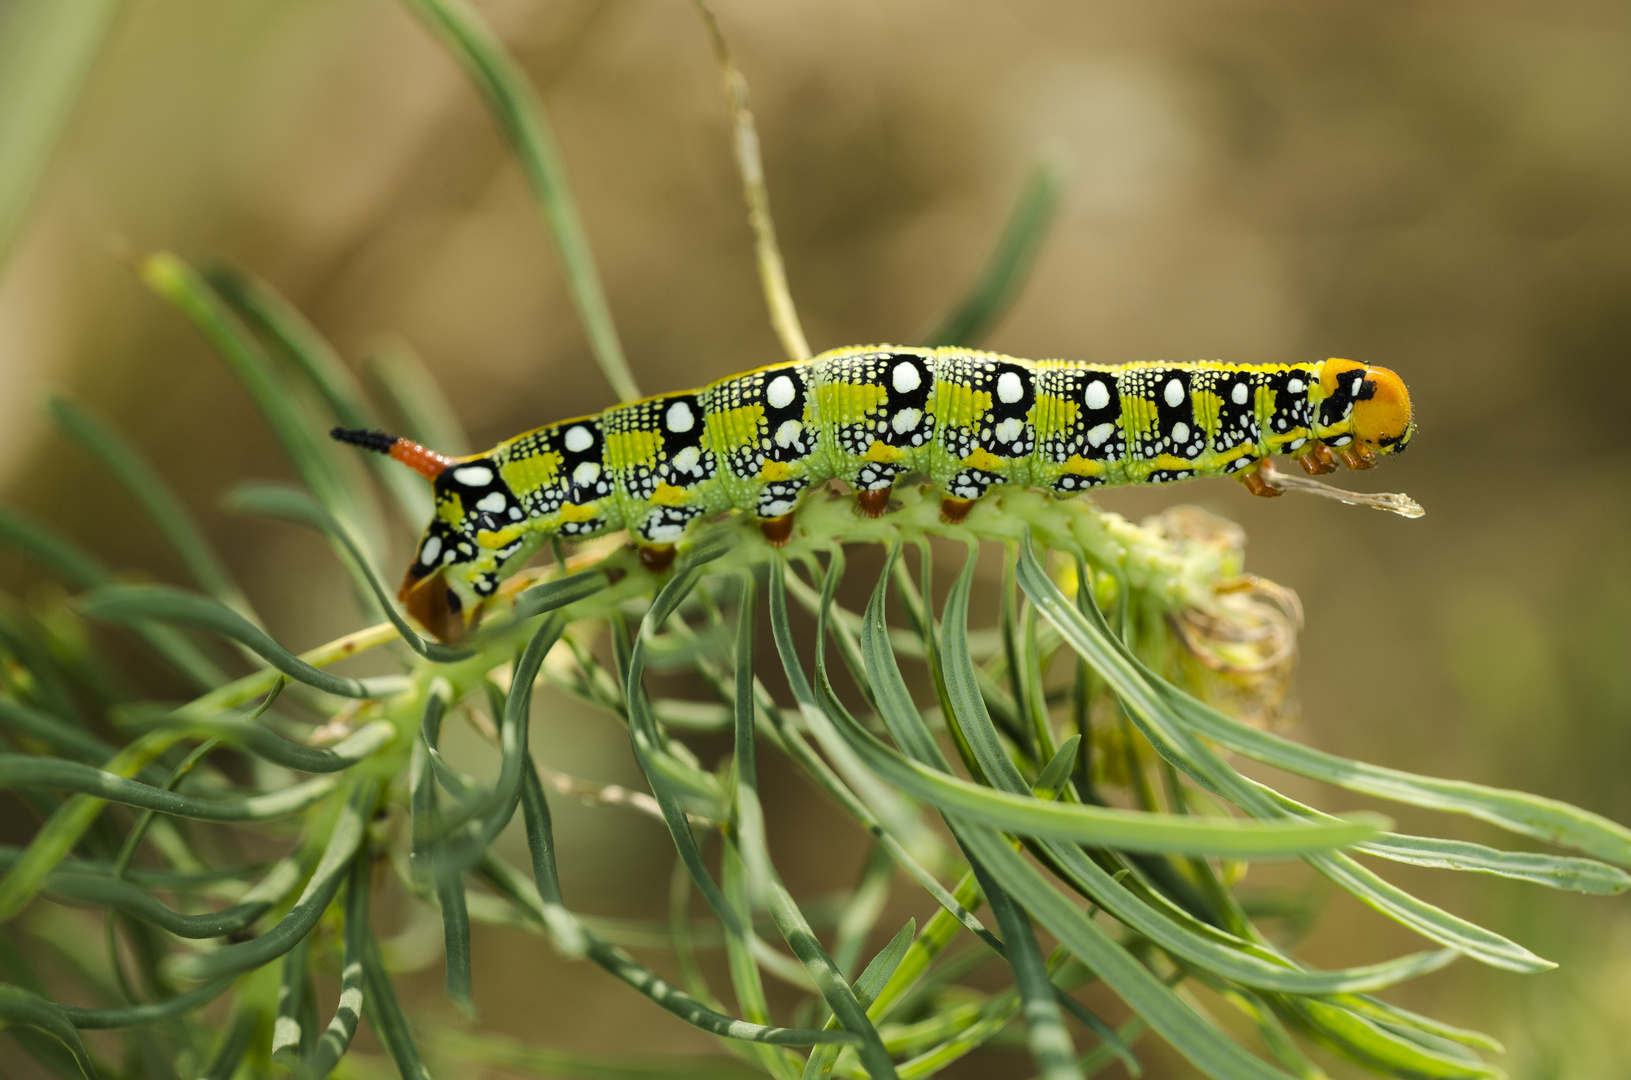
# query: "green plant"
{"points": [[1118, 656]]}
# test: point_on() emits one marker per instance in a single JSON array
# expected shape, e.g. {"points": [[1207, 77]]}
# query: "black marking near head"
{"points": [[437, 548], [488, 503], [1352, 386]]}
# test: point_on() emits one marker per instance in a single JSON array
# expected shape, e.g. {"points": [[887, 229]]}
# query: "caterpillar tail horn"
{"points": [[428, 598], [422, 460]]}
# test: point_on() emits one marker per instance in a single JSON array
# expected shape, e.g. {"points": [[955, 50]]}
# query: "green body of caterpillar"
{"points": [[867, 415]]}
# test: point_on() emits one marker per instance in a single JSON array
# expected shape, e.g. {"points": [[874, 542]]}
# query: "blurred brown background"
{"points": [[1444, 188]]}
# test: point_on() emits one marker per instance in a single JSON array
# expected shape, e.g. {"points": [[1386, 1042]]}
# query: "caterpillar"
{"points": [[970, 421]]}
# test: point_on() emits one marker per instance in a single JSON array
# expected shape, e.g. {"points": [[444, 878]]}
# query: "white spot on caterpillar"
{"points": [[1238, 394], [780, 392], [1296, 444], [687, 459], [515, 513], [666, 533], [474, 475], [1295, 386], [1009, 388], [679, 419], [578, 439], [586, 473], [1010, 429], [1359, 381], [432, 548], [1098, 395], [493, 504], [906, 420], [905, 378], [1097, 435], [776, 508], [1180, 433], [788, 433], [1174, 393]]}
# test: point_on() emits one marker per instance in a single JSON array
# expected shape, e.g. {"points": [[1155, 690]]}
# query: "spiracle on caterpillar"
{"points": [[757, 443]]}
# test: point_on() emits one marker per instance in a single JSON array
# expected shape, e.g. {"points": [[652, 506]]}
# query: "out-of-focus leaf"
{"points": [[47, 49], [150, 491], [1009, 263], [19, 1007], [520, 115], [135, 603]]}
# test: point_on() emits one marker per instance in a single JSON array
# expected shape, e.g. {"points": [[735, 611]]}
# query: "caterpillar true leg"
{"points": [[1319, 460], [1258, 484]]}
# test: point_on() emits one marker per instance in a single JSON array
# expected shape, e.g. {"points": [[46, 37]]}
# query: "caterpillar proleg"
{"points": [[970, 421]]}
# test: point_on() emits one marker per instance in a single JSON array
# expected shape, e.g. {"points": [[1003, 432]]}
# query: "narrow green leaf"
{"points": [[1212, 950], [1050, 1044], [1369, 1044], [137, 475], [289, 1034], [1552, 871], [385, 1014], [82, 570], [342, 844], [881, 968], [520, 115], [269, 313], [1056, 773], [152, 1012], [1532, 815], [306, 449], [1427, 920], [1009, 263], [136, 603], [246, 734], [558, 593], [1151, 700], [58, 836], [1193, 1037], [544, 905], [291, 504], [336, 1038], [20, 1008], [139, 903], [223, 1064], [59, 734]]}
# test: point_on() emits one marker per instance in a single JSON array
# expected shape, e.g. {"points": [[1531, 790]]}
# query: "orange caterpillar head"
{"points": [[1381, 419]]}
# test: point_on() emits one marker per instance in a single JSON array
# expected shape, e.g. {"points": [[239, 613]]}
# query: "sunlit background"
{"points": [[1443, 188]]}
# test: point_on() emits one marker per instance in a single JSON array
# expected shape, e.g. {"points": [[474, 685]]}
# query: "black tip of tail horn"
{"points": [[377, 441]]}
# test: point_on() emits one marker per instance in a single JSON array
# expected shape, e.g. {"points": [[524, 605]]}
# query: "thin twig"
{"points": [[1394, 502], [593, 794], [745, 141]]}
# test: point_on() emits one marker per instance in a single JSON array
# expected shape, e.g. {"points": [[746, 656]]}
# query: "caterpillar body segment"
{"points": [[757, 443]]}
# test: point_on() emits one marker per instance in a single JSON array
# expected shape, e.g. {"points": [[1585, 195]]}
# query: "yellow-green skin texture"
{"points": [[867, 415]]}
